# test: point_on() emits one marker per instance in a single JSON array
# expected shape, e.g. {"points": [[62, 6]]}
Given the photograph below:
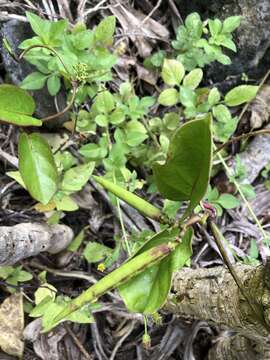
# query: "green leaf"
{"points": [[187, 97], [228, 201], [77, 241], [39, 26], [105, 30], [168, 97], [222, 113], [241, 94], [34, 81], [231, 23], [65, 203], [213, 97], [75, 178], [214, 26], [102, 120], [53, 85], [193, 79], [147, 292], [172, 72], [16, 176], [185, 175], [93, 151], [135, 138], [17, 106], [95, 252], [37, 167], [104, 102]]}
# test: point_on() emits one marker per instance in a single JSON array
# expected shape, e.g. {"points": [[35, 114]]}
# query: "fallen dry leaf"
{"points": [[260, 108], [11, 325]]}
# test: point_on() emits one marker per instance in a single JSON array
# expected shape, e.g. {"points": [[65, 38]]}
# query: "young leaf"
{"points": [[213, 97], [75, 178], [34, 81], [228, 201], [185, 176], [37, 167], [53, 85], [172, 72], [241, 94], [105, 30], [168, 97], [95, 252], [39, 26], [193, 79], [231, 23], [147, 292], [17, 106]]}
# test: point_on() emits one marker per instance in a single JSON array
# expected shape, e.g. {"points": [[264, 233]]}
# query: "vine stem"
{"points": [[230, 174], [114, 279], [118, 202]]}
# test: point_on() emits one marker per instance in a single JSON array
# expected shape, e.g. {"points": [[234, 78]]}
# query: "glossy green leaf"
{"points": [[172, 72], [168, 97], [185, 175], [17, 106], [37, 167], [75, 178], [147, 292], [241, 94]]}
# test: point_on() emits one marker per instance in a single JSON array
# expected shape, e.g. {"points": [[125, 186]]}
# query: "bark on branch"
{"points": [[212, 295], [24, 240]]}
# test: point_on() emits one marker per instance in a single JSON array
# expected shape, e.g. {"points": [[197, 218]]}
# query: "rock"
{"points": [[15, 32]]}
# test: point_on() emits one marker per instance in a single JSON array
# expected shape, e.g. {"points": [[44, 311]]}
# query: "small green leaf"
{"points": [[53, 85], [185, 175], [77, 241], [147, 292], [93, 151], [193, 79], [104, 102], [105, 30], [231, 23], [228, 201], [102, 120], [39, 26], [95, 252], [37, 167], [34, 81], [213, 97], [214, 26], [222, 113], [172, 72], [17, 106], [16, 176], [65, 203], [75, 178], [187, 97], [241, 94], [168, 97]]}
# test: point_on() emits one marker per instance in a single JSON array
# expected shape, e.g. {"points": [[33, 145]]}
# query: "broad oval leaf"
{"points": [[193, 79], [172, 72], [148, 291], [17, 106], [75, 178], [168, 97], [185, 175], [241, 94], [37, 167]]}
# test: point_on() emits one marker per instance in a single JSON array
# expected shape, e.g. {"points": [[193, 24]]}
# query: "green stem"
{"points": [[118, 202], [230, 174], [133, 200], [124, 273]]}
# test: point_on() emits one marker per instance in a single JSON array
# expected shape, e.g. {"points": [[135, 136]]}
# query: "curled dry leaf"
{"points": [[26, 239], [11, 325], [260, 107]]}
